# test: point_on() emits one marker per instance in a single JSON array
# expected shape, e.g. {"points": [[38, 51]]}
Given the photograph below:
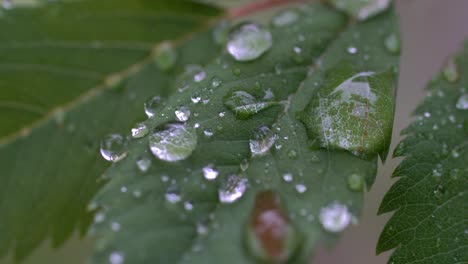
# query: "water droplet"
{"points": [[244, 165], [99, 217], [455, 153], [244, 105], [216, 82], [462, 102], [236, 71], [114, 147], [209, 172], [175, 142], [352, 50], [202, 227], [173, 194], [196, 98], [335, 217], [115, 226], [143, 164], [151, 105], [427, 114], [301, 188], [140, 130], [116, 258], [188, 206], [288, 177], [392, 43], [165, 56], [270, 235], [248, 42], [233, 190], [369, 8], [182, 113], [263, 140], [285, 18], [450, 71], [199, 76], [208, 133], [355, 182]]}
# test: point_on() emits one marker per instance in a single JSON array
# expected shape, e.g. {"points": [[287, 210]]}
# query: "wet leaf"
{"points": [[429, 224], [71, 73], [197, 210]]}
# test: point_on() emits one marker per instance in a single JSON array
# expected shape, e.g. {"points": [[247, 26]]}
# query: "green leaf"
{"points": [[429, 224], [71, 73], [244, 115]]}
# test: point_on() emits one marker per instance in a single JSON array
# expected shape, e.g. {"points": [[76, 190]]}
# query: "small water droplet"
{"points": [[202, 227], [301, 188], [140, 130], [115, 226], [182, 113], [99, 217], [175, 142], [285, 18], [188, 206], [288, 177], [143, 164], [355, 182], [116, 258], [114, 147], [216, 82], [151, 105], [248, 42], [263, 140], [233, 190], [208, 133], [335, 217], [199, 76], [244, 105], [352, 50], [450, 71], [462, 102], [196, 98], [209, 172], [173, 194], [392, 43], [427, 114], [165, 56]]}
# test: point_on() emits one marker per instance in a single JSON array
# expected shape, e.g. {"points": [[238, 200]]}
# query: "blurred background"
{"points": [[431, 31]]}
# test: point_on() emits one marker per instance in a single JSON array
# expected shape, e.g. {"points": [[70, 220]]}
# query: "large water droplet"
{"points": [[270, 235], [182, 113], [233, 190], [175, 142], [151, 105], [165, 56], [209, 172], [114, 147], [143, 164], [244, 105], [140, 130], [173, 194], [285, 18], [462, 102], [353, 113], [263, 140], [335, 217], [392, 43], [248, 42]]}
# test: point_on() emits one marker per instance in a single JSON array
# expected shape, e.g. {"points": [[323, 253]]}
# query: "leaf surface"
{"points": [[430, 222], [172, 214], [72, 72]]}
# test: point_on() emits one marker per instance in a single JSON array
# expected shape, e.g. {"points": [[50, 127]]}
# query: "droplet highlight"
{"points": [[114, 147]]}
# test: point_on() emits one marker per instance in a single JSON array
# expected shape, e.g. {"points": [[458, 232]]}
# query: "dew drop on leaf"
{"points": [[140, 130], [355, 182], [196, 98], [233, 189], [270, 236], [165, 56], [392, 43], [182, 113], [172, 194], [301, 188], [352, 50], [335, 217], [285, 17], [151, 105], [116, 258], [143, 164], [244, 105], [216, 82], [114, 147], [264, 139], [188, 206], [288, 177], [175, 142], [209, 172], [462, 102], [248, 42]]}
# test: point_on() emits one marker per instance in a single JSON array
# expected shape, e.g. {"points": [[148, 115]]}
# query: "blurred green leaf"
{"points": [[245, 116], [70, 73], [430, 221]]}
